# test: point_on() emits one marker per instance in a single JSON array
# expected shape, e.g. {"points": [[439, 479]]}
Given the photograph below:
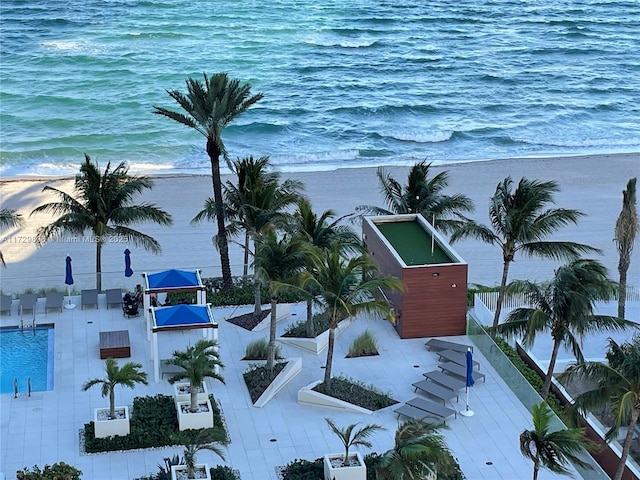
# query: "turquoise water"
{"points": [[346, 83], [26, 353]]}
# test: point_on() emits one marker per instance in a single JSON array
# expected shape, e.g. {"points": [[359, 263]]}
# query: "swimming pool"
{"points": [[26, 353]]}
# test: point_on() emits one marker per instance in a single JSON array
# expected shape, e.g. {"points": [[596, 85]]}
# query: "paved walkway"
{"points": [[44, 428]]}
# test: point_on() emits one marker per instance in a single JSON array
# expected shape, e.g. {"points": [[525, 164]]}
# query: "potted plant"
{"points": [[199, 361], [195, 441], [347, 466], [115, 420]]}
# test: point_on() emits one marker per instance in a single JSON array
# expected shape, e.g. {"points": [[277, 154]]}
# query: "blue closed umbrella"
{"points": [[467, 412], [127, 263], [68, 280]]}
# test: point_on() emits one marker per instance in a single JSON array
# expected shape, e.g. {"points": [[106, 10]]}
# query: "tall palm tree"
{"points": [[9, 219], [418, 450], [565, 308], [347, 287], [278, 261], [521, 221], [625, 235], [127, 375], [350, 437], [104, 206], [209, 107], [422, 195], [617, 386], [552, 450], [320, 232], [199, 361]]}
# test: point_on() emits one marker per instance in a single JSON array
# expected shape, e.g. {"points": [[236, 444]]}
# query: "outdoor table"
{"points": [[115, 344]]}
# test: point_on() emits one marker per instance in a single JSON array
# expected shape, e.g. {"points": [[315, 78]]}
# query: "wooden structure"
{"points": [[433, 302], [115, 344]]}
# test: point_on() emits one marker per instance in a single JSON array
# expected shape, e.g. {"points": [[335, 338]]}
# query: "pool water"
{"points": [[26, 353]]}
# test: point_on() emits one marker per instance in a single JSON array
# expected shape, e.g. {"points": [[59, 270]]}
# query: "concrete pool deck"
{"points": [[44, 428]]}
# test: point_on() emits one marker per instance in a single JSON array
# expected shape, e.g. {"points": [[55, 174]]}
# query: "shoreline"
{"points": [[592, 184]]}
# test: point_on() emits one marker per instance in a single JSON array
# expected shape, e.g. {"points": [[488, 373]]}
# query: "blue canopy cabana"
{"points": [[179, 317]]}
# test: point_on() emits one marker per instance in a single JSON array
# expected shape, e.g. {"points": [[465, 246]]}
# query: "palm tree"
{"points": [[350, 437], [422, 195], [195, 441], [552, 450], [278, 261], [347, 287], [617, 386], [321, 232], [625, 235], [418, 450], [103, 205], [521, 221], [199, 361], [210, 107], [565, 308], [9, 219], [127, 375]]}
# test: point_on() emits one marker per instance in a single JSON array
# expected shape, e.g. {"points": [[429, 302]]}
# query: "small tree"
{"points": [[127, 375], [351, 438], [625, 235], [552, 450], [195, 441], [199, 361]]}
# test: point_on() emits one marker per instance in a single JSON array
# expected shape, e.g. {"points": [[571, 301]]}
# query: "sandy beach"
{"points": [[592, 184]]}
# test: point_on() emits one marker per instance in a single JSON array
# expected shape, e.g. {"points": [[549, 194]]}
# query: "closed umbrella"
{"points": [[68, 280], [467, 412], [127, 263]]}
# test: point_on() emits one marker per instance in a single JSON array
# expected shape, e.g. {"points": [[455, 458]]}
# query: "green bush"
{"points": [[474, 288], [257, 350], [257, 378], [357, 393], [153, 420], [57, 471], [364, 345], [222, 472], [299, 329], [304, 470]]}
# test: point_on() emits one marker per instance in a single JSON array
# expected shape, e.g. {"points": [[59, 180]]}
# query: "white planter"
{"points": [[182, 392], [109, 428], [317, 344], [183, 468], [344, 473], [197, 420], [308, 396], [294, 366]]}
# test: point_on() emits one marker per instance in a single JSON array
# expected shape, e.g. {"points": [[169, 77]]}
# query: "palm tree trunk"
{"points": [[503, 287], [622, 287], [223, 245], [327, 369], [626, 446], [310, 326], [271, 348], [194, 398], [552, 364], [536, 468], [99, 265], [257, 297], [112, 403], [245, 266]]}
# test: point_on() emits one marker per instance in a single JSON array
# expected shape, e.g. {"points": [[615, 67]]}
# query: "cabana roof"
{"points": [[182, 317], [172, 280]]}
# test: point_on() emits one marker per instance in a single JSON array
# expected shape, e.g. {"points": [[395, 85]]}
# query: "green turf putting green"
{"points": [[413, 243]]}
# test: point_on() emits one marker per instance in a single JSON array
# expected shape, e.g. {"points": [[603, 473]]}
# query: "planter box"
{"points": [[110, 428], [344, 473], [294, 366], [176, 469], [182, 392], [283, 310], [317, 344], [308, 396], [197, 420]]}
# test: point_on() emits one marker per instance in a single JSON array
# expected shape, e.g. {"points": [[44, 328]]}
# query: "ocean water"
{"points": [[356, 83]]}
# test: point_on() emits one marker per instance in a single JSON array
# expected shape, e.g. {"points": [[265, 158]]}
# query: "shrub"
{"points": [[299, 329], [57, 471], [258, 379], [474, 288], [363, 345], [304, 470], [222, 472], [357, 393], [257, 350]]}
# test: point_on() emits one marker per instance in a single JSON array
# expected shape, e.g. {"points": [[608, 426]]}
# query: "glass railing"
{"points": [[522, 389]]}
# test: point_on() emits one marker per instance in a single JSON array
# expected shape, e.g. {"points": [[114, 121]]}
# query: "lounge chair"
{"points": [[437, 345], [417, 414], [88, 298], [456, 357], [459, 370], [441, 378], [435, 390], [114, 297], [54, 300], [27, 303], [5, 304]]}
